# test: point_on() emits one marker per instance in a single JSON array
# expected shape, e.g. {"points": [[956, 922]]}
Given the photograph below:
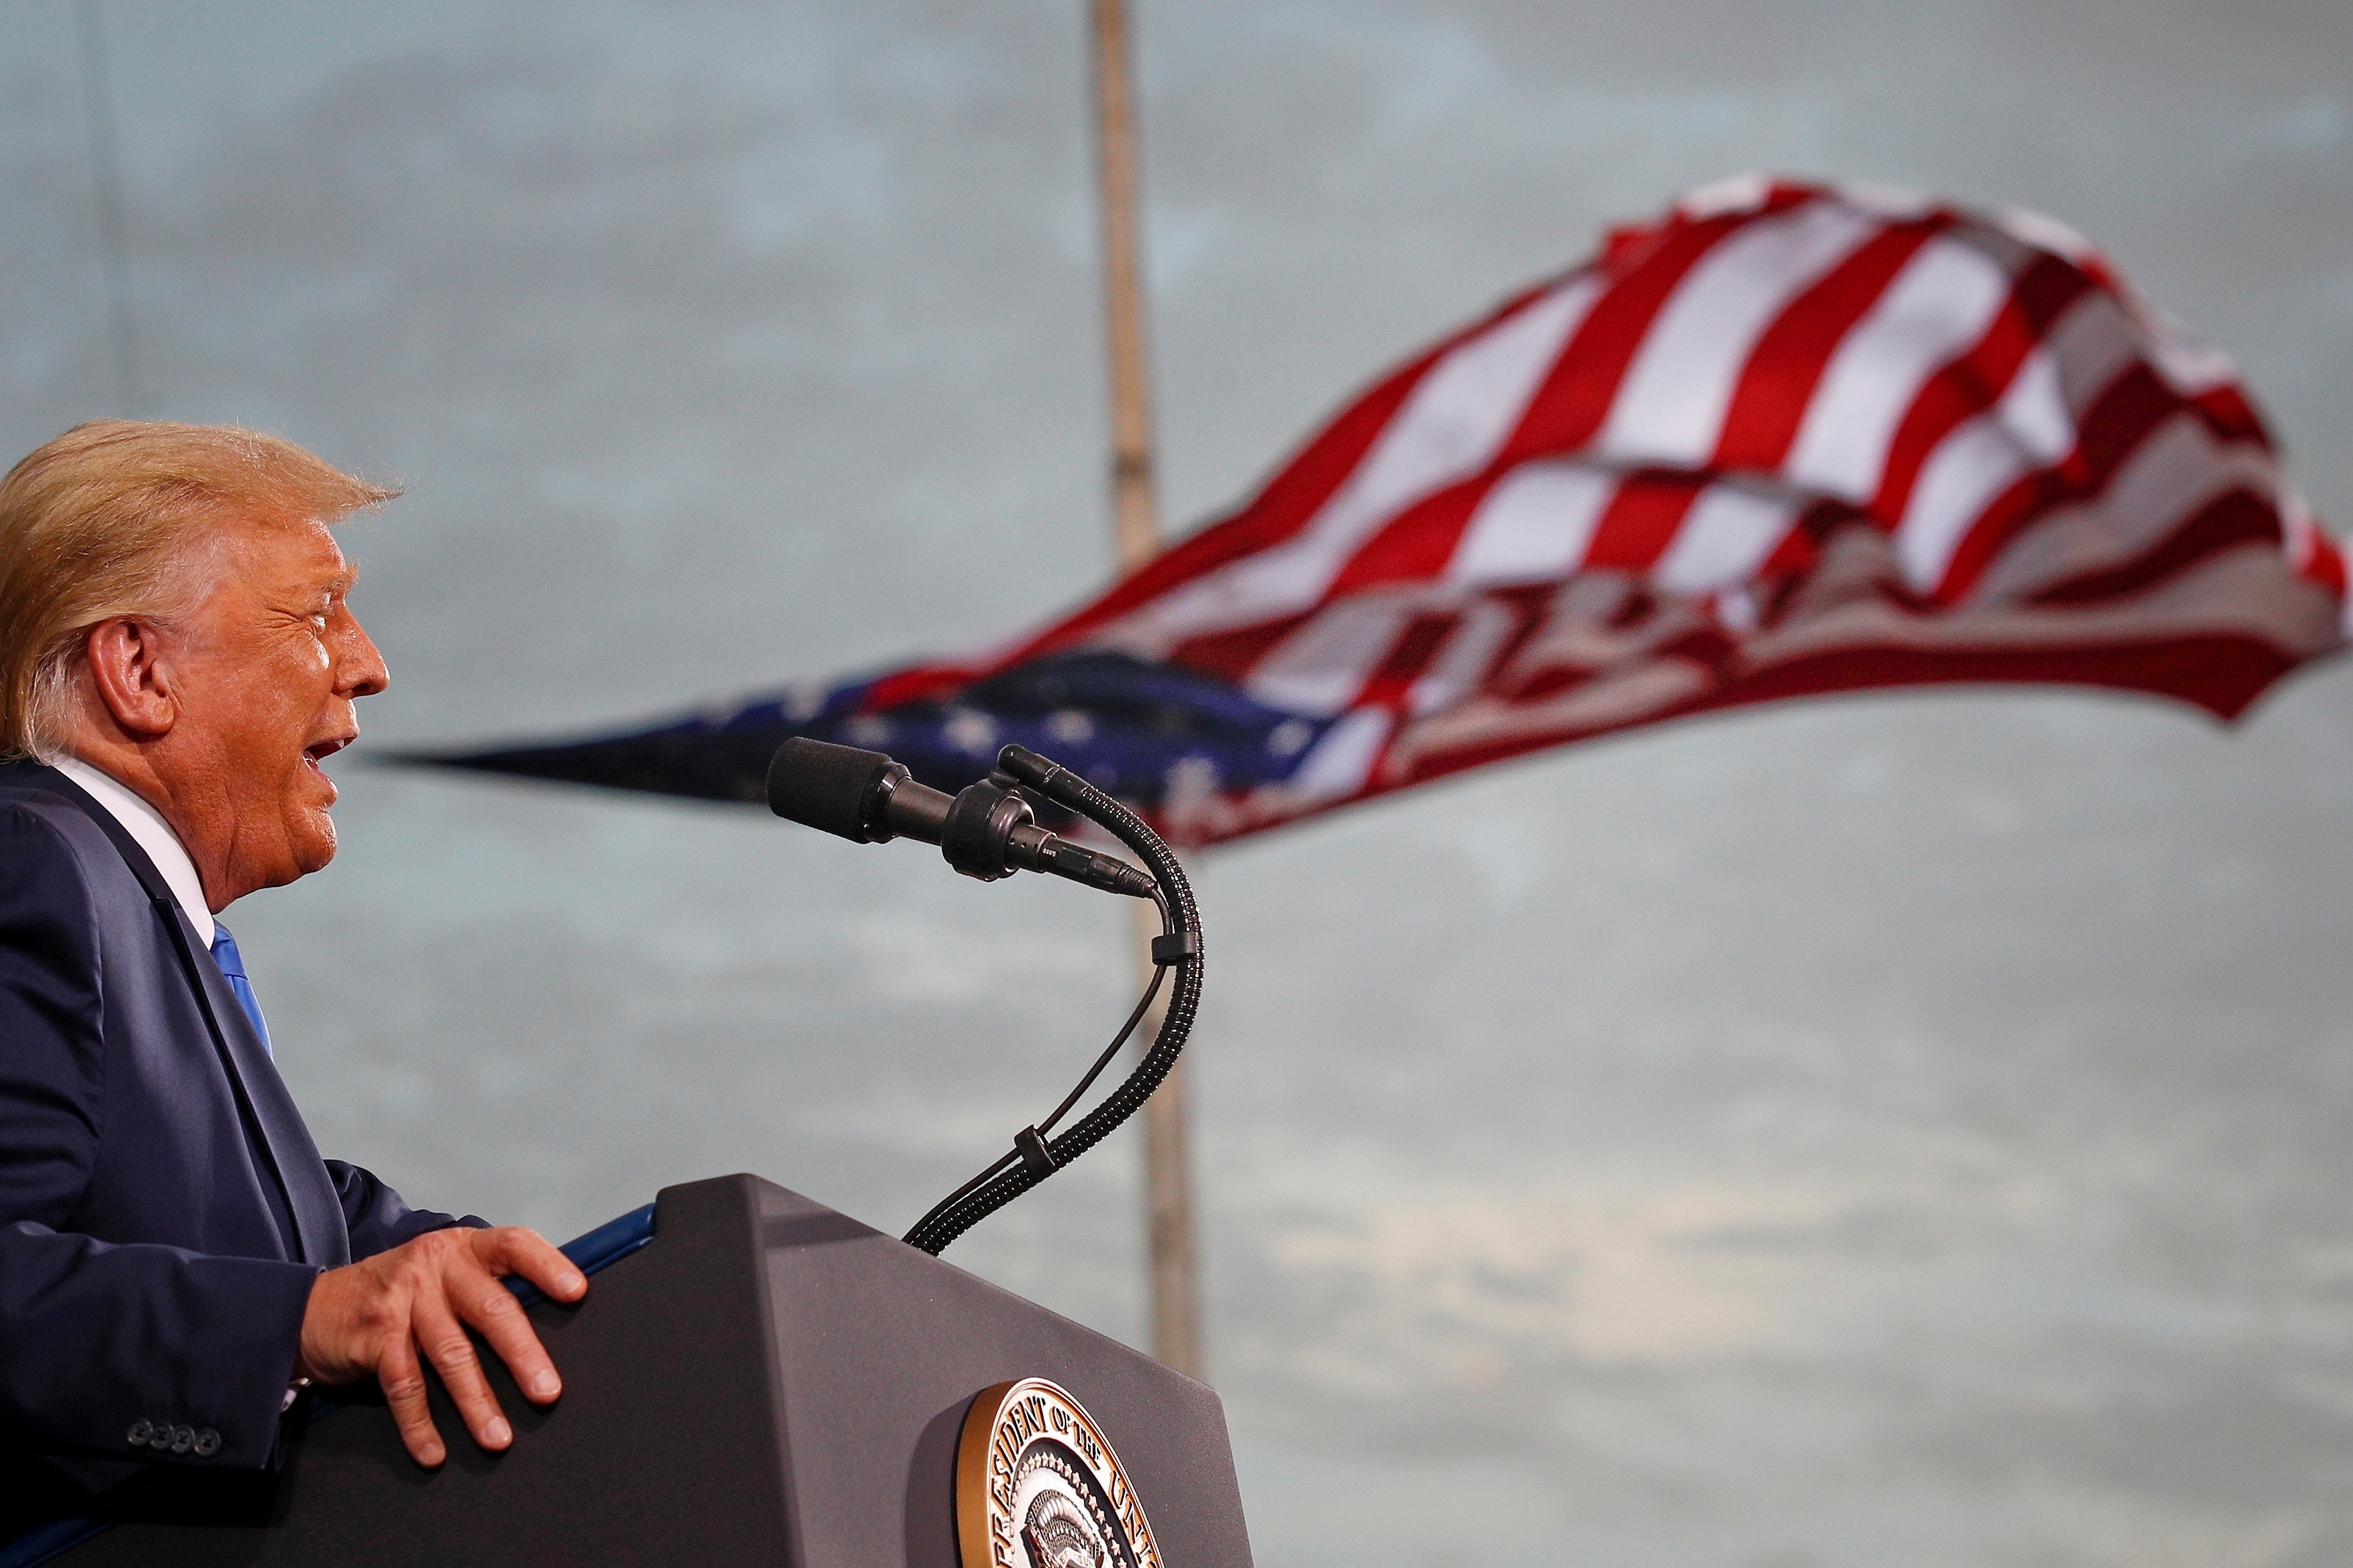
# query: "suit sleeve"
{"points": [[378, 1218], [98, 1336]]}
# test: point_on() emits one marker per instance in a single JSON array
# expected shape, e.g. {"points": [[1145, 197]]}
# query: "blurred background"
{"points": [[1908, 1129]]}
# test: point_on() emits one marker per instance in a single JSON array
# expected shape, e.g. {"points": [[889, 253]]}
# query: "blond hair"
{"points": [[117, 518]]}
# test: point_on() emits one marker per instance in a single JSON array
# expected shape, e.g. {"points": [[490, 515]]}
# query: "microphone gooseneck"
{"points": [[988, 830]]}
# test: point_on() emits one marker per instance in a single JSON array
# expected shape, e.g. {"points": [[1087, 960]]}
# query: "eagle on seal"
{"points": [[1057, 1534]]}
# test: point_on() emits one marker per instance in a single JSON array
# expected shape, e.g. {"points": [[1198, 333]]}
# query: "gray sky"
{"points": [[1900, 1130]]}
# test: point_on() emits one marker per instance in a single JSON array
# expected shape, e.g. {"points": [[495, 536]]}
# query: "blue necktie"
{"points": [[232, 966]]}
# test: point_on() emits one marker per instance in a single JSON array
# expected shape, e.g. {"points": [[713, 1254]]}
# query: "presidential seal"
{"points": [[1038, 1486]]}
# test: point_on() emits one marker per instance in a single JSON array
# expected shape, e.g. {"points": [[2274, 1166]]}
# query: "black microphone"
{"points": [[985, 830]]}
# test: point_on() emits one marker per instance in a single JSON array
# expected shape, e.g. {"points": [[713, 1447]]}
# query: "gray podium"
{"points": [[764, 1382]]}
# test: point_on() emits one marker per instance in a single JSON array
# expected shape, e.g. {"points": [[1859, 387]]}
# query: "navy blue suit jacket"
{"points": [[163, 1210]]}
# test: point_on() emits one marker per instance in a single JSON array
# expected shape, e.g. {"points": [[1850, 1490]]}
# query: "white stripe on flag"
{"points": [[1940, 303], [1733, 194], [1723, 539], [2030, 427], [2190, 364], [1894, 202], [1455, 421], [2044, 233], [1533, 525], [1670, 408], [1449, 427], [2092, 342], [1343, 760], [2168, 477], [1320, 668], [2034, 410], [1968, 469]]}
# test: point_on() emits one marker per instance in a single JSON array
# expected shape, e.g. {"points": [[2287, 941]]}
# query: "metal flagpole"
{"points": [[114, 228], [1167, 1184]]}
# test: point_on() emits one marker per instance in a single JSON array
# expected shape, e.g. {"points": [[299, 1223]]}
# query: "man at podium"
{"points": [[177, 657]]}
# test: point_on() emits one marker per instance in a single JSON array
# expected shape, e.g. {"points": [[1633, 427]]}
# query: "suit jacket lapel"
{"points": [[322, 1236], [273, 1122]]}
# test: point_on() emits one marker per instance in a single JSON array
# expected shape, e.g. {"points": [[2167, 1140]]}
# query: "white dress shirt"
{"points": [[146, 826]]}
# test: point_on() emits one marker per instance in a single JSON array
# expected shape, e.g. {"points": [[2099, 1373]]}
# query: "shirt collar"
{"points": [[147, 828]]}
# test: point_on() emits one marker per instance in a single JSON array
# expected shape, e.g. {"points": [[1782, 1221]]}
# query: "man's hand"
{"points": [[381, 1314]]}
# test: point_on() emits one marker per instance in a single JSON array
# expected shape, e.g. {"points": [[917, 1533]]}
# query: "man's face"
{"points": [[268, 668]]}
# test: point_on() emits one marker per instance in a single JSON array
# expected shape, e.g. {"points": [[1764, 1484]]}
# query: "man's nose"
{"points": [[359, 668]]}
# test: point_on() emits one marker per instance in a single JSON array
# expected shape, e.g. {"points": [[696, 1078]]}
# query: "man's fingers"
{"points": [[516, 1249], [403, 1391], [490, 1306], [443, 1340]]}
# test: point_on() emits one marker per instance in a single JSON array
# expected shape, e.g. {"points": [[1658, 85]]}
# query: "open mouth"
{"points": [[319, 751]]}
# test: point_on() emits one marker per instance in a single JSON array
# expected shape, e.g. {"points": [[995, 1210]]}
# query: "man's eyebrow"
{"points": [[342, 581]]}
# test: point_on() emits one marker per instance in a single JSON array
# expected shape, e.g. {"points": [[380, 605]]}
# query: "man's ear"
{"points": [[133, 683]]}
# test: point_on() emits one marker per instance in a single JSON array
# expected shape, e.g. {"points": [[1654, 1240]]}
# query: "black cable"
{"points": [[1035, 1155], [1070, 1099], [1102, 1061], [974, 1186]]}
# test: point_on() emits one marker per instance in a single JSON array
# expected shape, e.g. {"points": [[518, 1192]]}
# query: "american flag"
{"points": [[1789, 440]]}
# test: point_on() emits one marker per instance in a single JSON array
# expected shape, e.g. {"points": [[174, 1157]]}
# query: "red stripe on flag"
{"points": [[1769, 402], [2235, 518], [1415, 545], [1641, 519], [2218, 672], [1408, 658], [1576, 395], [2230, 414], [1975, 378], [2326, 566], [2133, 407], [1801, 549], [1228, 655]]}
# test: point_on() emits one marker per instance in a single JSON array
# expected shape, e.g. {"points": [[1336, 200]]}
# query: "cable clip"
{"points": [[1030, 1144], [1176, 947]]}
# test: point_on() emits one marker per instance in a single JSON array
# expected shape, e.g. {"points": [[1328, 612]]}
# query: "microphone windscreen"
{"points": [[825, 786]]}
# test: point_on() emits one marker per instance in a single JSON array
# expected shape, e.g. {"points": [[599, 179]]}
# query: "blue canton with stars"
{"points": [[1136, 729]]}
